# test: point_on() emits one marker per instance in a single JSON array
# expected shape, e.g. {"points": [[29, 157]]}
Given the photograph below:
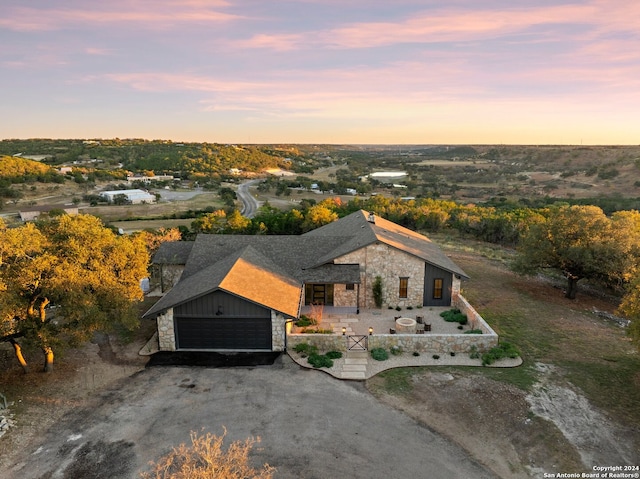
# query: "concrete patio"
{"points": [[381, 320]]}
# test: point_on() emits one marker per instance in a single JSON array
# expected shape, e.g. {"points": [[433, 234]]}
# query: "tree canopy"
{"points": [[65, 278], [582, 242]]}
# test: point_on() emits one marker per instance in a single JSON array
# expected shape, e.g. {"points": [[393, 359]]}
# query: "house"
{"points": [[237, 292], [34, 212]]}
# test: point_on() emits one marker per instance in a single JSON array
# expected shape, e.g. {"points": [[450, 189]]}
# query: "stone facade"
{"points": [[390, 264], [278, 325], [324, 342], [343, 296], [166, 333], [167, 336]]}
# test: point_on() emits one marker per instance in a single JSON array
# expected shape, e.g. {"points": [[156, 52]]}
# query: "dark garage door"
{"points": [[223, 333]]}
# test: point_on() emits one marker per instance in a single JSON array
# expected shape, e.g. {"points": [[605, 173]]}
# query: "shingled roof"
{"points": [[243, 273], [254, 267], [365, 228]]}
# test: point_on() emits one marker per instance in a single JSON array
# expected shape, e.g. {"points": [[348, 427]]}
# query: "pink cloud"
{"points": [[146, 14]]}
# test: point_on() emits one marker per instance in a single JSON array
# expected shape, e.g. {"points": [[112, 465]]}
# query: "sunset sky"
{"points": [[322, 71]]}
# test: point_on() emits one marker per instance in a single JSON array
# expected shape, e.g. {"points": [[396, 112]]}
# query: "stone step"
{"points": [[357, 355], [354, 367], [349, 360], [358, 375]]}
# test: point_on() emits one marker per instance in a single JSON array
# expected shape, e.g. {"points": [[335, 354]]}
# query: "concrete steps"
{"points": [[355, 365]]}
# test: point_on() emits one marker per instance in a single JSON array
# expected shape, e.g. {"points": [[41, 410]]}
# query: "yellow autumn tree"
{"points": [[65, 278]]}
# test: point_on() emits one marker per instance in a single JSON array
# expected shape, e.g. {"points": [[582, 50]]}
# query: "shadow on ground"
{"points": [[212, 360]]}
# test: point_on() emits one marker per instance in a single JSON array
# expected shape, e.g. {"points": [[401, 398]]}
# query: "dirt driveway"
{"points": [[311, 426]]}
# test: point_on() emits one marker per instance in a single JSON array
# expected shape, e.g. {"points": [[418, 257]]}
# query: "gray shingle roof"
{"points": [[254, 267], [173, 252], [363, 233], [243, 273]]}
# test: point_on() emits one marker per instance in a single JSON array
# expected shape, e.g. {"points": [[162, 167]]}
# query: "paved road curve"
{"points": [[311, 425], [249, 203]]}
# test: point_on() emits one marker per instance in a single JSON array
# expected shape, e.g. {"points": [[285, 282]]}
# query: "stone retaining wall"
{"points": [[324, 342], [475, 320]]}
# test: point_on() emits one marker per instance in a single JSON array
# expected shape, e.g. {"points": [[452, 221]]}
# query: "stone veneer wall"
{"points": [[475, 320], [344, 297], [422, 343], [166, 333], [278, 338], [324, 342], [390, 264]]}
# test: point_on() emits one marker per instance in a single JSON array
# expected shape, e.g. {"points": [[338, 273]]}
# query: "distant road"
{"points": [[249, 203]]}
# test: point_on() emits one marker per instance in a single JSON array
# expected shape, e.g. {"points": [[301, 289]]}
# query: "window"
{"points": [[404, 287], [351, 287], [437, 288]]}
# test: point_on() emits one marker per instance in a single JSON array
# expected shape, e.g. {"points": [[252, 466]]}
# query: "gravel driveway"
{"points": [[311, 426]]}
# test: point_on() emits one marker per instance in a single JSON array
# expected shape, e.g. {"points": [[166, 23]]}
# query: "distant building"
{"points": [[32, 214], [135, 197], [149, 179]]}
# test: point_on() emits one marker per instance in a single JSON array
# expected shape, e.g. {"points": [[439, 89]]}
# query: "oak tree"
{"points": [[63, 279], [581, 242]]}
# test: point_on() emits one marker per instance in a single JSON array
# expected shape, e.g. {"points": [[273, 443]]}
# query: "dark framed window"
{"points": [[404, 288], [351, 287], [437, 288]]}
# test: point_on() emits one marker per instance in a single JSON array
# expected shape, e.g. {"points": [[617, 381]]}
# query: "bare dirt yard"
{"points": [[572, 405]]}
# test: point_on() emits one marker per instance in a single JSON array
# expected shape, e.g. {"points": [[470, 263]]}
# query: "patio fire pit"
{"points": [[406, 325]]}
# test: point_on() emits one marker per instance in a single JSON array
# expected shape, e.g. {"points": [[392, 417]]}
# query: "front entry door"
{"points": [[318, 293]]}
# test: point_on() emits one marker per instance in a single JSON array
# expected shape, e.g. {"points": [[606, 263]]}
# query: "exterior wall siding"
{"points": [[344, 297], [166, 332], [390, 264], [278, 336]]}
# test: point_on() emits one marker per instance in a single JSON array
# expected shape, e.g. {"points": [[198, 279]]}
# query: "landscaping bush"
{"points": [[377, 291], [416, 353], [334, 355], [473, 331], [316, 331], [379, 354], [436, 356], [502, 350], [320, 361], [305, 321], [395, 350], [454, 316], [305, 349], [398, 308], [473, 352]]}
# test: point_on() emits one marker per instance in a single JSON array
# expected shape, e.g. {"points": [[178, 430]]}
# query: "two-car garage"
{"points": [[235, 334], [220, 321]]}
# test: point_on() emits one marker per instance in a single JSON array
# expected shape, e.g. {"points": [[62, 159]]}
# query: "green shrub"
{"points": [[409, 307], [502, 350], [319, 361], [377, 291], [334, 355], [379, 354], [305, 349], [395, 350], [436, 356], [398, 308], [473, 352], [473, 331], [454, 316], [416, 353], [460, 326], [316, 331], [452, 353], [305, 321]]}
